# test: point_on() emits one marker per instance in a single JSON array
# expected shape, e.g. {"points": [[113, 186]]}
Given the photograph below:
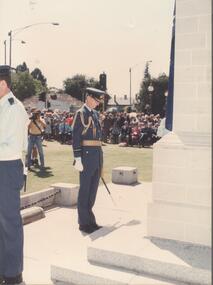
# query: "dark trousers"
{"points": [[11, 229], [89, 181]]}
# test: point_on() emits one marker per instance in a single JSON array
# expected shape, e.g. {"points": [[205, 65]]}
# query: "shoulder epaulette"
{"points": [[11, 101]]}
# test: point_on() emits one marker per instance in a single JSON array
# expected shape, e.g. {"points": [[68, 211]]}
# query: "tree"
{"points": [[37, 74], [158, 97], [76, 85], [146, 71], [153, 102], [24, 86], [92, 82], [143, 98]]}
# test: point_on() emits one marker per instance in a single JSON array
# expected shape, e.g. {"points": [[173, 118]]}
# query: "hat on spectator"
{"points": [[96, 94]]}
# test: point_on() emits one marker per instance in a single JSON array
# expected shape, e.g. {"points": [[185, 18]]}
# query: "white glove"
{"points": [[25, 171], [78, 164]]}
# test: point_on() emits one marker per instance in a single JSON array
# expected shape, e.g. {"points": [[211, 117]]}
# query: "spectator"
{"points": [[36, 129], [125, 134]]}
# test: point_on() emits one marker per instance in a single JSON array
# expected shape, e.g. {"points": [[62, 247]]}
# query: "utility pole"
{"points": [[5, 52], [10, 57], [130, 87]]}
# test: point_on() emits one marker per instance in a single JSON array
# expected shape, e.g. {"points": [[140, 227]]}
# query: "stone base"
{"points": [[32, 214], [46, 198], [126, 256], [173, 261], [181, 208], [68, 194], [124, 175], [89, 274]]}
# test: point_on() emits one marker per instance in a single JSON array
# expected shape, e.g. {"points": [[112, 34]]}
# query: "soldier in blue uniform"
{"points": [[13, 144], [88, 157]]}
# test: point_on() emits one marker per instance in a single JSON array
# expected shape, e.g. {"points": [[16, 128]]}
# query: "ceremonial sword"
{"points": [[108, 190]]}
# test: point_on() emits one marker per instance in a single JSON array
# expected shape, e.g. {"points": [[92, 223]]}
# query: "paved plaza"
{"points": [[56, 241]]}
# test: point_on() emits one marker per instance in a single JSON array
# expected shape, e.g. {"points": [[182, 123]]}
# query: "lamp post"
{"points": [[5, 48], [5, 52], [151, 89], [130, 86], [14, 32]]}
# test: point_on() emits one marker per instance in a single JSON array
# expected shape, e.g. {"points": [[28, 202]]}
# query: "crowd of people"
{"points": [[126, 129], [121, 128], [130, 129]]}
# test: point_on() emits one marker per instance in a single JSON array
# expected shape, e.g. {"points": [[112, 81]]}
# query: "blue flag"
{"points": [[169, 103]]}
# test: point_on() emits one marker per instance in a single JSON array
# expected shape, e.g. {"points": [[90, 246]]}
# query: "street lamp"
{"points": [[150, 89], [5, 48], [130, 86], [14, 32], [5, 52]]}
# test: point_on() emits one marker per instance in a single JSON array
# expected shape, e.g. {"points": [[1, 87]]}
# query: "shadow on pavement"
{"points": [[43, 172], [198, 256]]}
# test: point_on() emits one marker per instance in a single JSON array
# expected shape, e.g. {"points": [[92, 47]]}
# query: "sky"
{"points": [[93, 36]]}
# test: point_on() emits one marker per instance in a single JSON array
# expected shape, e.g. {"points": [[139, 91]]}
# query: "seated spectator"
{"points": [[135, 134], [106, 125], [148, 135], [125, 134], [115, 132]]}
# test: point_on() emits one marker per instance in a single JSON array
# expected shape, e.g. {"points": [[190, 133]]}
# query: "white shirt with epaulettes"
{"points": [[14, 122]]}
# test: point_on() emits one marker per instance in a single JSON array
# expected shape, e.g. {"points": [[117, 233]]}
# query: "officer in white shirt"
{"points": [[13, 143]]}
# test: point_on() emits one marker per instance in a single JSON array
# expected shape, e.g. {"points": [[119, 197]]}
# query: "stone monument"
{"points": [[181, 208]]}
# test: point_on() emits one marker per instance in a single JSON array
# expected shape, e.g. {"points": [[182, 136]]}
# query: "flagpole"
{"points": [[170, 97]]}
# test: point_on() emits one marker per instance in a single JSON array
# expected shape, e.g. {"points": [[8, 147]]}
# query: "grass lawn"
{"points": [[59, 159]]}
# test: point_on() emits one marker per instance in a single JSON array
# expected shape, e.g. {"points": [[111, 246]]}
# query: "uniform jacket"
{"points": [[86, 126]]}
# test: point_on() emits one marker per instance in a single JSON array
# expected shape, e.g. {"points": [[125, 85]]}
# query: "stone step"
{"points": [[125, 175], [32, 214], [44, 198], [128, 248], [85, 273], [68, 194]]}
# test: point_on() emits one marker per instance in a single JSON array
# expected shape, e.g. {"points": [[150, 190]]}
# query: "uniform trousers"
{"points": [[89, 181], [86, 197], [11, 228]]}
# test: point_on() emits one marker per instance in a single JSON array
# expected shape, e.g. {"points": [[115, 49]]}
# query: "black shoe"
{"points": [[86, 229], [13, 280], [96, 227]]}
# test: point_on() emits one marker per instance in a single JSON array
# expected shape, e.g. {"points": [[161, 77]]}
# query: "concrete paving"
{"points": [[56, 237], [56, 241], [129, 249]]}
